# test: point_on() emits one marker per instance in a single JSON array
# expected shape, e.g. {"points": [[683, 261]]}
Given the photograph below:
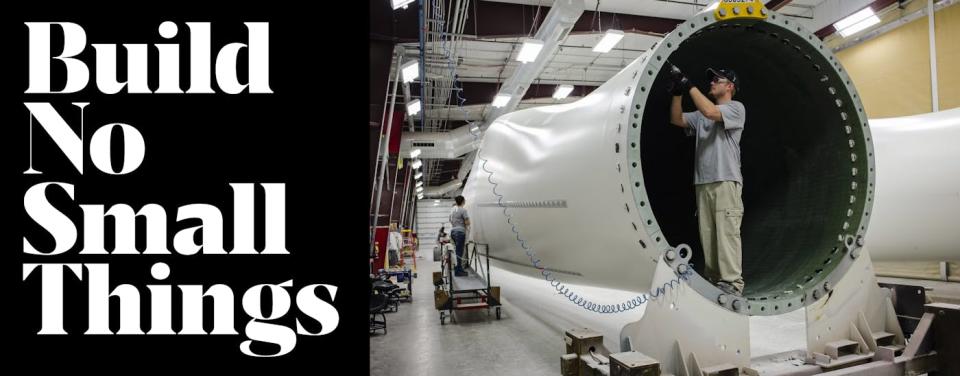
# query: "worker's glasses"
{"points": [[719, 80]]}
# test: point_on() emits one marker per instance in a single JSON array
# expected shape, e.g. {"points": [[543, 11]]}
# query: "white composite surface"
{"points": [[768, 334]]}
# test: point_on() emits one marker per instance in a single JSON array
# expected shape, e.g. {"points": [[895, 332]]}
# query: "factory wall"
{"points": [[947, 24], [892, 71], [431, 215]]}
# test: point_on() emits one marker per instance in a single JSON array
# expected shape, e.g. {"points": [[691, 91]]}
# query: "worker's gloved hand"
{"points": [[675, 88], [680, 82], [675, 72]]}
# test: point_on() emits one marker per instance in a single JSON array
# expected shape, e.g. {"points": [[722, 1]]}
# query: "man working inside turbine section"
{"points": [[717, 127]]}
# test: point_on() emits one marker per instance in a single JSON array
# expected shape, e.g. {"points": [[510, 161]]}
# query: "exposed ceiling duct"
{"points": [[466, 139], [439, 191], [442, 145], [558, 23]]}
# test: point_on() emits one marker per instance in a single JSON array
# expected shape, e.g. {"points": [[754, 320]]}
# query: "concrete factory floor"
{"points": [[527, 340], [477, 344]]}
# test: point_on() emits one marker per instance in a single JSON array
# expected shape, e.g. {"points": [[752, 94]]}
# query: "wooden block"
{"points": [[633, 363], [725, 369], [580, 340], [568, 364]]}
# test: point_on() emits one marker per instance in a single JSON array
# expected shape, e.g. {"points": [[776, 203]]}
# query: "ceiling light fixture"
{"points": [[529, 51], [501, 100], [410, 71], [856, 22], [413, 107], [610, 39], [562, 91]]}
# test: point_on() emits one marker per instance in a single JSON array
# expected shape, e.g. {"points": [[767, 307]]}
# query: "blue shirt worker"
{"points": [[717, 126]]}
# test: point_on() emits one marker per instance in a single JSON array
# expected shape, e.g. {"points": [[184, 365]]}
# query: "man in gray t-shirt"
{"points": [[459, 220], [717, 177]]}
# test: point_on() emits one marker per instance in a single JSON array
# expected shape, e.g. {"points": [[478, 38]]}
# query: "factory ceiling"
{"points": [[478, 41]]}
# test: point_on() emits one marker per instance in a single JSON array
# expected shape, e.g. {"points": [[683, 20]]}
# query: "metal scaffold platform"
{"points": [[470, 291]]}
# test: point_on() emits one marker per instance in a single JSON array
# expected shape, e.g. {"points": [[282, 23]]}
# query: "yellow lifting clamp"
{"points": [[737, 9]]}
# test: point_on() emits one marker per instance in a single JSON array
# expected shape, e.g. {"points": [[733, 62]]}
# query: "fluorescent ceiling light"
{"points": [[436, 201], [853, 18], [419, 189], [414, 153], [416, 164], [610, 39], [410, 71], [413, 107], [529, 51], [418, 175], [501, 100], [419, 184], [562, 91], [859, 26], [856, 22], [397, 4], [420, 197]]}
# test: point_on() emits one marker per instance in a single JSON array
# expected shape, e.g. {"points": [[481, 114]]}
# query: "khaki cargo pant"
{"points": [[720, 209]]}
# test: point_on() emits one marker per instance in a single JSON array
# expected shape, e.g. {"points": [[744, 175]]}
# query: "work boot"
{"points": [[729, 288]]}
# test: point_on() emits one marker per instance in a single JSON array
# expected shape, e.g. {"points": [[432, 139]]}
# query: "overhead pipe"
{"points": [[557, 24], [439, 191], [442, 145], [554, 29]]}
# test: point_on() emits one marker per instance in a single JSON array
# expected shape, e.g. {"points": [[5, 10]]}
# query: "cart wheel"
{"points": [[498, 313]]}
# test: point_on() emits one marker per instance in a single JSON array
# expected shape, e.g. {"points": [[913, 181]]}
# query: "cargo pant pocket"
{"points": [[732, 221]]}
